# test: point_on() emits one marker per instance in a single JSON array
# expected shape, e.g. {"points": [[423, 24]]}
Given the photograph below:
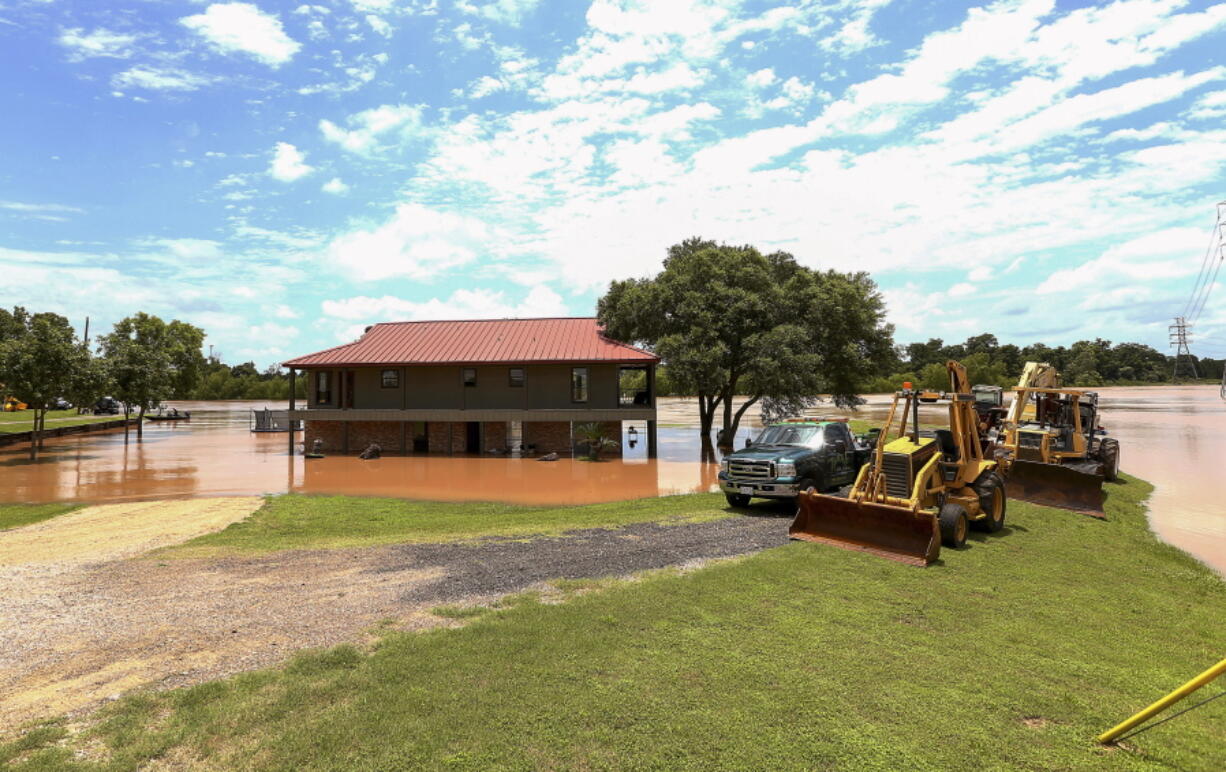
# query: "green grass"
{"points": [[16, 515], [298, 521], [23, 421], [1010, 654]]}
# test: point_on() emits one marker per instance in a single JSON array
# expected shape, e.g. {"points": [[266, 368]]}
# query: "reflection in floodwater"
{"points": [[215, 455], [1174, 437]]}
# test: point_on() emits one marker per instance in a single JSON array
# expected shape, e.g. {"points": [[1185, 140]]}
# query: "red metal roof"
{"points": [[478, 342]]}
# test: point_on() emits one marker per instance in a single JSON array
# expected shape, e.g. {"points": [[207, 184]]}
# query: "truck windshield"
{"points": [[803, 436]]}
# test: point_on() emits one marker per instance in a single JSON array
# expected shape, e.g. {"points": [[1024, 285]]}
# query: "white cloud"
{"points": [[1211, 106], [417, 242], [288, 163], [962, 289], [335, 186], [854, 35], [370, 126], [101, 42], [283, 311], [243, 27], [1162, 254], [541, 301], [379, 25], [762, 78], [24, 208], [159, 79], [503, 11]]}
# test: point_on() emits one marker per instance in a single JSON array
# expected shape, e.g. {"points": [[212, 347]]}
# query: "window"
{"points": [[578, 384], [391, 379], [323, 388], [470, 376], [515, 377]]}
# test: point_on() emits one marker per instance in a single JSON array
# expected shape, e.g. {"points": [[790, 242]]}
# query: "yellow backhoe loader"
{"points": [[1052, 447], [919, 490]]}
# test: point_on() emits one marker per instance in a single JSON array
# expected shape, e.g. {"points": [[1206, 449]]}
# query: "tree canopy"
{"points": [[150, 361], [41, 360], [729, 320]]}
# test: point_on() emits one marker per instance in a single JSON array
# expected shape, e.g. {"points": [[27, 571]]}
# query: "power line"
{"points": [[1204, 265], [1211, 266]]}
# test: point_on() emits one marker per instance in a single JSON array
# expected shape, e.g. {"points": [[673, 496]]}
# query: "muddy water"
{"points": [[215, 454], [1173, 436]]}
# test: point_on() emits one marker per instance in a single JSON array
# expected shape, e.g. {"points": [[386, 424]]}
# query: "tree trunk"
{"points": [[736, 419], [706, 414], [140, 424], [127, 413], [34, 437]]}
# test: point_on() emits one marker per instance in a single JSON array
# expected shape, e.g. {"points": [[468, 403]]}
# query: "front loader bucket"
{"points": [[889, 531], [1056, 485]]}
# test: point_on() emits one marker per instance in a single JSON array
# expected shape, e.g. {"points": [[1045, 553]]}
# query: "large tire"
{"points": [[991, 491], [1109, 454], [737, 499], [808, 484], [953, 522]]}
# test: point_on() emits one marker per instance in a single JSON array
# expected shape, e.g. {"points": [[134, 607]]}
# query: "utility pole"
{"points": [[1180, 338]]}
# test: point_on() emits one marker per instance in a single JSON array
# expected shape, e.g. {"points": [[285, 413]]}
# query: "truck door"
{"points": [[839, 448]]}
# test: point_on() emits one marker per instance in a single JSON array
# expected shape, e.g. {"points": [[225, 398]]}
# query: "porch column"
{"points": [[651, 386], [652, 445], [292, 405]]}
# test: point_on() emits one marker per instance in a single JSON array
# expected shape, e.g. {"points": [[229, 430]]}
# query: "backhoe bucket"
{"points": [[1056, 485], [885, 530]]}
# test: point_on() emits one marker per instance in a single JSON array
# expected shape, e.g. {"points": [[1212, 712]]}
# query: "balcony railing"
{"points": [[634, 398]]}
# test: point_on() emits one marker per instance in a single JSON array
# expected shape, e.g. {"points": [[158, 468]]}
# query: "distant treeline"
{"points": [[1086, 363], [221, 381]]}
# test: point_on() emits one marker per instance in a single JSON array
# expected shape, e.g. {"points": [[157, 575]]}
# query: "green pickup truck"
{"points": [[793, 456]]}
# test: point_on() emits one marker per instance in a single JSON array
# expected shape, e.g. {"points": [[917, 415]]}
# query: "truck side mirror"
{"points": [[748, 442]]}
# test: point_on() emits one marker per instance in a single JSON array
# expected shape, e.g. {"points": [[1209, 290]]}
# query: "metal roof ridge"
{"points": [[481, 321]]}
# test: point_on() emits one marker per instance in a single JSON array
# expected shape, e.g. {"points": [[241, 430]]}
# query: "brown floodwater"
{"points": [[1175, 437]]}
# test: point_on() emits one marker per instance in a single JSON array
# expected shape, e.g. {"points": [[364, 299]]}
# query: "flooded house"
{"points": [[474, 386]]}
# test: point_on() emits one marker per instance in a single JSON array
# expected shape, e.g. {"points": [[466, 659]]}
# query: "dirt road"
{"points": [[85, 617]]}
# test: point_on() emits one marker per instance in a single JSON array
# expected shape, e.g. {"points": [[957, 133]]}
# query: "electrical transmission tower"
{"points": [[1180, 338]]}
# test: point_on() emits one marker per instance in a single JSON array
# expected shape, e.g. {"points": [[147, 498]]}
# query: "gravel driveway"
{"points": [[77, 633]]}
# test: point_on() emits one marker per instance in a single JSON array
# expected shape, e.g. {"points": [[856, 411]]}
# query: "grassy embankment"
{"points": [[296, 521], [16, 515], [1010, 654], [23, 420]]}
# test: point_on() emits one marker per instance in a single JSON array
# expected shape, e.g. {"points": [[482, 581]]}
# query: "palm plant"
{"points": [[593, 435]]}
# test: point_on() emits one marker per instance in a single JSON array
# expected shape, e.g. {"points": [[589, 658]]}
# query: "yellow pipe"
{"points": [[1164, 703]]}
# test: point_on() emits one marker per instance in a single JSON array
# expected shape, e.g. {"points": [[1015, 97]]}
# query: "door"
{"points": [[838, 448], [421, 441], [472, 440]]}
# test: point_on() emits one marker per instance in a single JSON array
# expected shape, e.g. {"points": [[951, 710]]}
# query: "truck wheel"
{"points": [[953, 525], [737, 499], [807, 484], [991, 492], [1109, 453]]}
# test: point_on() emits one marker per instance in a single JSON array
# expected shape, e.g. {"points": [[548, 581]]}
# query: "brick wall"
{"points": [[385, 434], [436, 436], [548, 436], [459, 437], [494, 435], [328, 431]]}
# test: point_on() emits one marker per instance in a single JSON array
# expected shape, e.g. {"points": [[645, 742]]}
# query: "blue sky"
{"points": [[283, 174]]}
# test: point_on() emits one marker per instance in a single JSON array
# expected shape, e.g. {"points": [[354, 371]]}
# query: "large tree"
{"points": [[731, 321], [150, 361], [40, 361]]}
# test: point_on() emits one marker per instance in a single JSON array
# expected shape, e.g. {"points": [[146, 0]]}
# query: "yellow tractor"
{"points": [[920, 489], [12, 405], [1052, 447]]}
